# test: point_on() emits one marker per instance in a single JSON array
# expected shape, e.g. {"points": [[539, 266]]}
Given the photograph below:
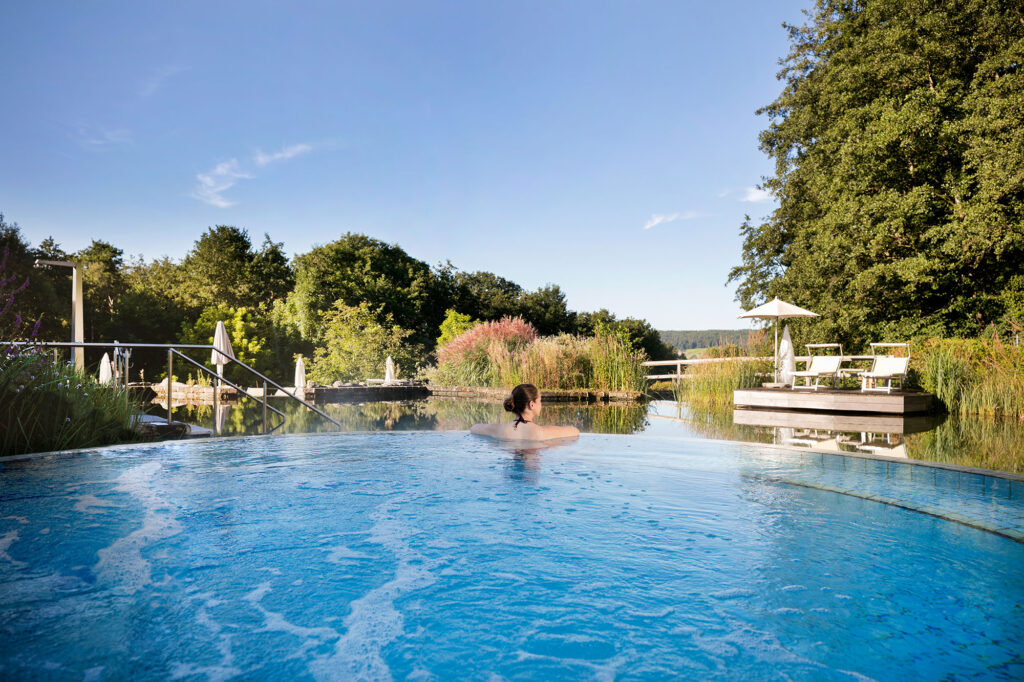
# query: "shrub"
{"points": [[356, 346], [455, 324]]}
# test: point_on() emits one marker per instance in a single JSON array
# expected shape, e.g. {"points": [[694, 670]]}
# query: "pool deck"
{"points": [[834, 400]]}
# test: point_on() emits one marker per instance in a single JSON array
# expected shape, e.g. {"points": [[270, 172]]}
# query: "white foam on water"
{"points": [[373, 621], [121, 564], [275, 622], [20, 519], [225, 669], [86, 503], [5, 543], [93, 674], [340, 553], [603, 670]]}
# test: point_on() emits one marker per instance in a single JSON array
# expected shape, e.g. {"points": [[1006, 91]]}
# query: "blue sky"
{"points": [[608, 147]]}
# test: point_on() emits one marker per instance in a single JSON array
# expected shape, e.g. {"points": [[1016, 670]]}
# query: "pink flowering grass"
{"points": [[509, 352], [509, 331]]}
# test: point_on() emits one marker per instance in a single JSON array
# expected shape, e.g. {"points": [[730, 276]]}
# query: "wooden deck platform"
{"points": [[834, 400]]}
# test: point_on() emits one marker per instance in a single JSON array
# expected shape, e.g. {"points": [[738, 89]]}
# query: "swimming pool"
{"points": [[441, 555]]}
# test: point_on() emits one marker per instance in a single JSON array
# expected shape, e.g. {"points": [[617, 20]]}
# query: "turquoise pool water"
{"points": [[444, 555]]}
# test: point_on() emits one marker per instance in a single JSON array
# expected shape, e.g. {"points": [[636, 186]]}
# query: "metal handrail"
{"points": [[215, 391], [174, 347]]}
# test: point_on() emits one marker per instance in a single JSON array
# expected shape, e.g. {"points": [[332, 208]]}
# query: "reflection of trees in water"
{"points": [[246, 416], [717, 423], [978, 442]]}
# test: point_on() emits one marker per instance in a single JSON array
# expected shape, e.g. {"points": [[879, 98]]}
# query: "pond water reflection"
{"points": [[985, 443]]}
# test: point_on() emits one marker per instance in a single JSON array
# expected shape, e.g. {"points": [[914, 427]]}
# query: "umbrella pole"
{"points": [[776, 350]]}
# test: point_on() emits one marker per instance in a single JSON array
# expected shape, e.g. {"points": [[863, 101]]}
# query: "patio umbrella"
{"points": [[777, 310], [787, 357], [221, 342], [300, 374], [106, 375]]}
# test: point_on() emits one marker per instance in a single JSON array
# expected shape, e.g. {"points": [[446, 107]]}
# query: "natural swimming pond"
{"points": [[441, 555]]}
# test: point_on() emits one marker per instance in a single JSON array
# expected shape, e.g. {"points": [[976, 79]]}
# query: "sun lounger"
{"points": [[820, 367], [885, 370]]}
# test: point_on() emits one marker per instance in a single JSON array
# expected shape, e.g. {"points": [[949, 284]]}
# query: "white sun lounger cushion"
{"points": [[822, 366]]}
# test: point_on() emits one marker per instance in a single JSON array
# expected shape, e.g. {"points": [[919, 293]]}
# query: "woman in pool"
{"points": [[526, 405]]}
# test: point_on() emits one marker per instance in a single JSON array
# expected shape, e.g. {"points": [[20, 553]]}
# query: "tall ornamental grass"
{"points": [[973, 376], [508, 352], [709, 385], [47, 405]]}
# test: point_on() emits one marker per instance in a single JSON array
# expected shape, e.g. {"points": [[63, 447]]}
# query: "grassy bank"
{"points": [[509, 352]]}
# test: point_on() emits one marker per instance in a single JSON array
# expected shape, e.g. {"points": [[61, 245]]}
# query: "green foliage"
{"points": [[703, 338], [258, 339], [455, 324], [897, 142], [46, 406], [709, 385], [639, 334], [48, 299], [356, 344], [269, 273], [103, 285], [357, 269], [973, 376]]}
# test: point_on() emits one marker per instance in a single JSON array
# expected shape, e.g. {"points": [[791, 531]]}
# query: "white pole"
{"points": [[77, 316], [776, 350]]}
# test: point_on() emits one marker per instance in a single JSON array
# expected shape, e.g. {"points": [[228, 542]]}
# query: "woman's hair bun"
{"points": [[509, 404]]}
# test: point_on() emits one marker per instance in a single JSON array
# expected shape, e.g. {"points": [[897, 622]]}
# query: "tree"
{"points": [[897, 142], [218, 269], [546, 310], [103, 285], [486, 296], [47, 297], [358, 269], [357, 341], [270, 275]]}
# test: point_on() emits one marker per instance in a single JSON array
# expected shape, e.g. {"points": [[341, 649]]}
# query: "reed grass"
{"points": [[973, 376], [709, 385]]}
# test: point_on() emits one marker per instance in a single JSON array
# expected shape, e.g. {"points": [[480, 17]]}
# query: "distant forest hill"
{"points": [[703, 338]]}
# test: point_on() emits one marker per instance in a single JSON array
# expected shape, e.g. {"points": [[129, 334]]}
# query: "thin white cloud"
{"points": [[157, 80], [663, 218], [756, 195], [213, 184], [99, 138], [294, 150]]}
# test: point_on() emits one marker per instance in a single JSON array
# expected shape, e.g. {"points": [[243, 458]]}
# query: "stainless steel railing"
{"points": [[172, 351]]}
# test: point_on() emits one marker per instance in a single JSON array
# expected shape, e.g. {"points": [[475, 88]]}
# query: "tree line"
{"points": [[352, 299], [897, 139]]}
